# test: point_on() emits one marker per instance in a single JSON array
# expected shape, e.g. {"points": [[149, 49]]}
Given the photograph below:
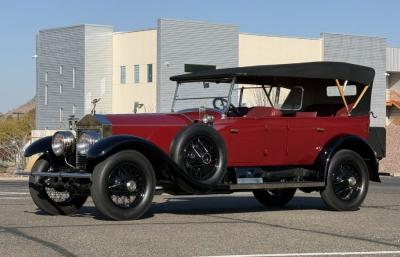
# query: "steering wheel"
{"points": [[220, 104]]}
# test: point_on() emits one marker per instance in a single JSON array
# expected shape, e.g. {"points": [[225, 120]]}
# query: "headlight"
{"points": [[62, 142], [86, 140]]}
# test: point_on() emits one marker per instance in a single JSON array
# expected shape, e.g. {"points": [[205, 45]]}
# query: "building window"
{"points": [[149, 72], [73, 108], [61, 114], [45, 94], [46, 76], [61, 89], [136, 70], [123, 75], [61, 70], [73, 77]]}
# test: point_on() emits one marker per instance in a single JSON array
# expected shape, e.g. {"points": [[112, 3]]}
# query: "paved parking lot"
{"points": [[205, 226]]}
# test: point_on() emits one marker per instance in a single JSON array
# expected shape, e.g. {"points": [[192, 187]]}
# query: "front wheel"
{"points": [[276, 197], [347, 181], [54, 201], [123, 185]]}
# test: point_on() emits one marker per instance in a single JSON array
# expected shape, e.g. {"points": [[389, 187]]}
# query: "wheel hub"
{"points": [[206, 158], [352, 181], [131, 186]]}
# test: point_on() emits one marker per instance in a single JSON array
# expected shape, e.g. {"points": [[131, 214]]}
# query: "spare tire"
{"points": [[200, 152]]}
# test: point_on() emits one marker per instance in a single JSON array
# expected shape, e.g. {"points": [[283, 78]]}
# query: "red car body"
{"points": [[251, 141]]}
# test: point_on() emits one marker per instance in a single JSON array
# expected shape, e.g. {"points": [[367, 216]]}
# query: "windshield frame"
{"points": [[228, 97]]}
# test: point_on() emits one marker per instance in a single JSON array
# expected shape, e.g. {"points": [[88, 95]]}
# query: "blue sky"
{"points": [[20, 20]]}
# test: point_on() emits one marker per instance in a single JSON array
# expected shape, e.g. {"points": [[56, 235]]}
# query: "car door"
{"points": [[304, 140], [246, 141], [257, 141]]}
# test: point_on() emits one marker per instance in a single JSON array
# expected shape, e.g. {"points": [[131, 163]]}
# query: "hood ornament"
{"points": [[94, 103]]}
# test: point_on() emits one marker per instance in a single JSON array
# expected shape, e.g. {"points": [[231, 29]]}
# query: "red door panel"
{"points": [[304, 140]]}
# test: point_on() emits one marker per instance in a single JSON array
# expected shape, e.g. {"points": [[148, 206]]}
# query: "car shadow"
{"points": [[207, 205]]}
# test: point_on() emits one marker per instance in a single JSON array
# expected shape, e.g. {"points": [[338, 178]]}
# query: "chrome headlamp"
{"points": [[62, 142], [86, 140]]}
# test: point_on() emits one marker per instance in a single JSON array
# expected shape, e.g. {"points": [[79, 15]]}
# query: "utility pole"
{"points": [[18, 114]]}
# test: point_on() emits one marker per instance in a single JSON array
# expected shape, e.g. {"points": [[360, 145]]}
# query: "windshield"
{"points": [[223, 96], [204, 95]]}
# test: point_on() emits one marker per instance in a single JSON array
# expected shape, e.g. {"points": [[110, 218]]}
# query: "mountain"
{"points": [[26, 107]]}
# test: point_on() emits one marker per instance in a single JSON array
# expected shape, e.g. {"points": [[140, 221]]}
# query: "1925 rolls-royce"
{"points": [[265, 129]]}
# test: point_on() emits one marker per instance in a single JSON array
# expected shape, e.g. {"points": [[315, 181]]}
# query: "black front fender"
{"points": [[42, 145], [353, 143], [113, 144]]}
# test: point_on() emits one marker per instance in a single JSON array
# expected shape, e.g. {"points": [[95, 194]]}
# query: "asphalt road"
{"points": [[205, 225]]}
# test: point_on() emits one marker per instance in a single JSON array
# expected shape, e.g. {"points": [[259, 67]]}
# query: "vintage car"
{"points": [[270, 130]]}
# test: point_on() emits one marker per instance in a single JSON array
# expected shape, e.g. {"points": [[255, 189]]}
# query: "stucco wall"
{"points": [[262, 49], [129, 49]]}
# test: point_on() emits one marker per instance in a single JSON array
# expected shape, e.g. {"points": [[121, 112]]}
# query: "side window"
{"points": [[290, 99], [350, 90], [136, 75], [122, 78], [149, 72]]}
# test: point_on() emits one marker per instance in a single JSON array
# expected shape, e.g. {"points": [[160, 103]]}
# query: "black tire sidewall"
{"points": [[189, 133], [42, 200], [328, 194], [99, 186], [268, 199]]}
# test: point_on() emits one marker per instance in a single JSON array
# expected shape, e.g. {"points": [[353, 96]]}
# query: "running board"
{"points": [[275, 185], [62, 174]]}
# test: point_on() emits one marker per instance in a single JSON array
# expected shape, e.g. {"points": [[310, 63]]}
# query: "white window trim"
{"points": [[73, 77], [61, 114], [46, 89]]}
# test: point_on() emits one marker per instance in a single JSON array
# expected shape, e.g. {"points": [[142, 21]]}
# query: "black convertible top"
{"points": [[293, 73]]}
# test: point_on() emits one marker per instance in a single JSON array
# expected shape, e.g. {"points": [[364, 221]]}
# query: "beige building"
{"points": [[134, 75], [134, 51]]}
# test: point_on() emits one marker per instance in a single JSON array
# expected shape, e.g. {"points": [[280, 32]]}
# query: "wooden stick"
{"points": [[342, 95], [359, 97], [344, 85]]}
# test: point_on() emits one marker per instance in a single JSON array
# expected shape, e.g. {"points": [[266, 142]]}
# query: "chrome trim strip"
{"points": [[275, 185], [62, 174]]}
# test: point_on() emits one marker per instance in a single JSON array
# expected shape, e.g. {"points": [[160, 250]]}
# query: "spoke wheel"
{"points": [[123, 185], [201, 158], [54, 201], [200, 152], [126, 185], [346, 182]]}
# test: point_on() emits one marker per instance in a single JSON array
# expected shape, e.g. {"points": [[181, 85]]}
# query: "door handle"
{"points": [[234, 131], [320, 129]]}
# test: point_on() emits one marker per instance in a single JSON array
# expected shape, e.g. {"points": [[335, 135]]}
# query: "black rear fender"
{"points": [[353, 143]]}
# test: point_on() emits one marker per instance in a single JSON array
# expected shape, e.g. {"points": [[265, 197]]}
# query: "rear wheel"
{"points": [[54, 201], [276, 197], [347, 181], [123, 185]]}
